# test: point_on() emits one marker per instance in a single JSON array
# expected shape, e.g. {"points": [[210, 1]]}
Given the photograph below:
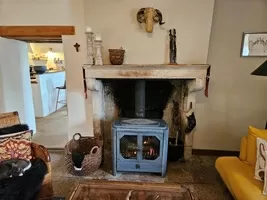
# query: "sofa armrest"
{"points": [[40, 151], [243, 149], [46, 192]]}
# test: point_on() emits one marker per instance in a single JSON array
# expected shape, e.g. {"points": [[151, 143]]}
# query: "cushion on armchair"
{"points": [[12, 148]]}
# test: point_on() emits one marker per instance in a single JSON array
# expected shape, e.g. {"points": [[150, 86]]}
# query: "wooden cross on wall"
{"points": [[77, 47]]}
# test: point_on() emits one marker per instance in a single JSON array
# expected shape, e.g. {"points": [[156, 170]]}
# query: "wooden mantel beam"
{"points": [[36, 31]]}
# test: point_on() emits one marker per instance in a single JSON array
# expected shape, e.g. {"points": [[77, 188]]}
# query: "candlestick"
{"points": [[90, 50], [98, 54], [88, 29], [98, 36]]}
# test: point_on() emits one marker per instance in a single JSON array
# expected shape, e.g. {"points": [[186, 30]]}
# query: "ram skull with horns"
{"points": [[149, 16]]}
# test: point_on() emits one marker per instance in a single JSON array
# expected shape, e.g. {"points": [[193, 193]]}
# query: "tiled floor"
{"points": [[198, 174], [52, 131]]}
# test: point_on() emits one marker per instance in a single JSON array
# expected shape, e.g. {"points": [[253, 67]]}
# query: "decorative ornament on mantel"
{"points": [[116, 56], [90, 49], [149, 16], [98, 46], [173, 49]]}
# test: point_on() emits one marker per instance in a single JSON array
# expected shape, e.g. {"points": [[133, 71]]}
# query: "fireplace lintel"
{"points": [[135, 71]]}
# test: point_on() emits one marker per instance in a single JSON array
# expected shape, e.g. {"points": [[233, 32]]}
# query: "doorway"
{"points": [[40, 99], [49, 93]]}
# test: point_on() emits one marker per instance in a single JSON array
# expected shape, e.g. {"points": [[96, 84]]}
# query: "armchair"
{"points": [[38, 151]]}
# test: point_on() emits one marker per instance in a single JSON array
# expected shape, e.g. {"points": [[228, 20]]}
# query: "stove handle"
{"points": [[138, 149]]}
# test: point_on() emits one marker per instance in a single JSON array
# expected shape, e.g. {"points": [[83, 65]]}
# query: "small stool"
{"points": [[62, 101]]}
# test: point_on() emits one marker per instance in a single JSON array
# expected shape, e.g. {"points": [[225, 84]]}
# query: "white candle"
{"points": [[98, 36], [88, 29]]}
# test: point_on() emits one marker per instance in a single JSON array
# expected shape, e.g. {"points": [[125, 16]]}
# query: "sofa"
{"points": [[38, 151], [238, 172]]}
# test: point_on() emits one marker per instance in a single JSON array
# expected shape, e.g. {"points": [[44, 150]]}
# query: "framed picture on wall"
{"points": [[254, 44]]}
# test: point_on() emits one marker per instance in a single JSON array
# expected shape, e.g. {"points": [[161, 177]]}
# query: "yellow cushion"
{"points": [[253, 133], [238, 177]]}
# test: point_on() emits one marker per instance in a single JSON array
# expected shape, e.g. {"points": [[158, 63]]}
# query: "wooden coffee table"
{"points": [[109, 190]]}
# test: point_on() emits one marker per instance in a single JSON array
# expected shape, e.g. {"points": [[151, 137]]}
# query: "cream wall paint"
{"points": [[79, 108], [236, 99], [35, 12], [119, 28]]}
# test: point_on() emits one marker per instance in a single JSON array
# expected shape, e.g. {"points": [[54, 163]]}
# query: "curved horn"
{"points": [[159, 15], [141, 15]]}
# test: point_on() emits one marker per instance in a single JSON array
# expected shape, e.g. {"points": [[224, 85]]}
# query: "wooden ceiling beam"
{"points": [[36, 31]]}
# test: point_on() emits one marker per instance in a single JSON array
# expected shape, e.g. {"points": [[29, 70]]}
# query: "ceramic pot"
{"points": [[40, 69], [116, 56]]}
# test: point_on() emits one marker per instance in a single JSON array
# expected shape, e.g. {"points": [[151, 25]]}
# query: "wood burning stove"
{"points": [[140, 144]]}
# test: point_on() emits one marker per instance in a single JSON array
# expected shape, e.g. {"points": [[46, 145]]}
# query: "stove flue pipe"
{"points": [[140, 98]]}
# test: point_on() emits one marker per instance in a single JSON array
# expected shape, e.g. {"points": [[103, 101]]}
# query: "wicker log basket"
{"points": [[90, 147]]}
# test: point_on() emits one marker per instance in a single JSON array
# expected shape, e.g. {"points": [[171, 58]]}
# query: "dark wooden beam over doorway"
{"points": [[36, 33]]}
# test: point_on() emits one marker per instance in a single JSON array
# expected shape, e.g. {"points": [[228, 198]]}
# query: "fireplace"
{"points": [[139, 144], [176, 85]]}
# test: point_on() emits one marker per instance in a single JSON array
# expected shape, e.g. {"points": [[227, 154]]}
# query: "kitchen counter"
{"points": [[51, 71], [45, 93]]}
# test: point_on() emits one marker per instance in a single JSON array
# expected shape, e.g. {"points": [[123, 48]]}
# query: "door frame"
{"points": [[36, 33]]}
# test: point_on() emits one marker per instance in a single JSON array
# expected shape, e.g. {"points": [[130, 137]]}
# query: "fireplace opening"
{"points": [[140, 135], [143, 115], [127, 95]]}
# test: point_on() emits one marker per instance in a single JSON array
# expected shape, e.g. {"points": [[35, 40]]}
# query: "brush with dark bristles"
{"points": [[77, 159]]}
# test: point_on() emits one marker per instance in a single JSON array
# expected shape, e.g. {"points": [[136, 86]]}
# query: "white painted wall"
{"points": [[15, 85], [45, 93], [78, 107], [118, 26], [236, 99], [35, 12]]}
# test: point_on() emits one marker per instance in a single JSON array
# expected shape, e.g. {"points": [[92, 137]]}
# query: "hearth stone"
{"points": [[139, 145]]}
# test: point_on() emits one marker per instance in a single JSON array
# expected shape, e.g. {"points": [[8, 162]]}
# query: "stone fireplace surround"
{"points": [[186, 80]]}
